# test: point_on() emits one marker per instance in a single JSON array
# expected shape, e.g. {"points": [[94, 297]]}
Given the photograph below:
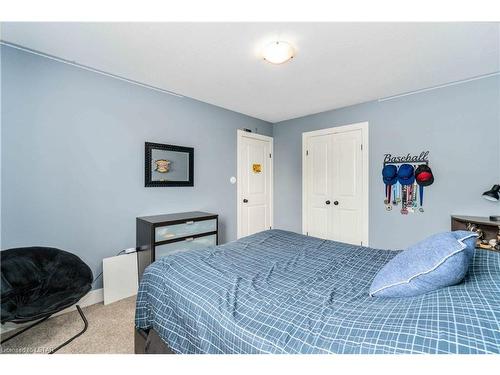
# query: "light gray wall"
{"points": [[459, 125], [73, 157], [1, 127]]}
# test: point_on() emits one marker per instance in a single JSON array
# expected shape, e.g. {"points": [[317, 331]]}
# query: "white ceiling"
{"points": [[336, 65]]}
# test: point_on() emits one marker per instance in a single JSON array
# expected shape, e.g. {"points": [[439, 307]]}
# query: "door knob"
{"points": [[336, 203], [245, 200], [327, 202]]}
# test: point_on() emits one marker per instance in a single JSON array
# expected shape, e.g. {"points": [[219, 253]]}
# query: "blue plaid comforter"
{"points": [[282, 292]]}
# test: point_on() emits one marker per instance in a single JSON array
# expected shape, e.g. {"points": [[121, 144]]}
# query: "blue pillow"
{"points": [[436, 262]]}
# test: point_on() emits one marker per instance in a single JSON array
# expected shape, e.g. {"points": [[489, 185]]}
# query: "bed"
{"points": [[282, 292]]}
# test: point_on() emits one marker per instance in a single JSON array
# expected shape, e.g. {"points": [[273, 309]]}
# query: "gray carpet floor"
{"points": [[111, 330]]}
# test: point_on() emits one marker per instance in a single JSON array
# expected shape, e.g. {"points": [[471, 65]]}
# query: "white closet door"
{"points": [[320, 174], [347, 190], [335, 195]]}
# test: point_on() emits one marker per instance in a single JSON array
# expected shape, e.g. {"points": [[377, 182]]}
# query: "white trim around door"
{"points": [[267, 170], [363, 126]]}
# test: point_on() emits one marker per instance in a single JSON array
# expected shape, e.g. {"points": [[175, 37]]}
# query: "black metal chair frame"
{"points": [[82, 315]]}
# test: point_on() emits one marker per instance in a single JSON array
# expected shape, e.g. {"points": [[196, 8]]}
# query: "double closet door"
{"points": [[335, 204]]}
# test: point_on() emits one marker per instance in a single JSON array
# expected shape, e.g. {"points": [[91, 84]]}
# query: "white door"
{"points": [[319, 175], [254, 183], [336, 184]]}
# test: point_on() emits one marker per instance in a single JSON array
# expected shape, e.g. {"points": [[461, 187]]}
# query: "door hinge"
{"points": [[361, 243], [307, 233], [270, 228], [361, 147], [307, 152], [270, 156]]}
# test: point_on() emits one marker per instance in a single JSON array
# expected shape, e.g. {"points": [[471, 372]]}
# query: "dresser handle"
{"points": [[189, 239], [189, 222]]}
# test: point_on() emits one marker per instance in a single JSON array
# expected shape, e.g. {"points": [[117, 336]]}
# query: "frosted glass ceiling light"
{"points": [[278, 52]]}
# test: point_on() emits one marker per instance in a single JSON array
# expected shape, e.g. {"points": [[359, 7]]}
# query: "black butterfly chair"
{"points": [[38, 282]]}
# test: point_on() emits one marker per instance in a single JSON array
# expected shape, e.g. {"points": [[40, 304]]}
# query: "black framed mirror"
{"points": [[168, 165]]}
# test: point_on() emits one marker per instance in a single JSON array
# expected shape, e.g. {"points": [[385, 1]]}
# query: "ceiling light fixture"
{"points": [[278, 52]]}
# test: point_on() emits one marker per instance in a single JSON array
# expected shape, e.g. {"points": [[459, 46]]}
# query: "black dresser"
{"points": [[161, 235]]}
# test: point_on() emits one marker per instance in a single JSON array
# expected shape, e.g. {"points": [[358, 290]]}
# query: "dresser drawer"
{"points": [[186, 229], [185, 245]]}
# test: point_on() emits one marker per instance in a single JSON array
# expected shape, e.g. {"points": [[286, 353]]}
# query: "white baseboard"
{"points": [[91, 298]]}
